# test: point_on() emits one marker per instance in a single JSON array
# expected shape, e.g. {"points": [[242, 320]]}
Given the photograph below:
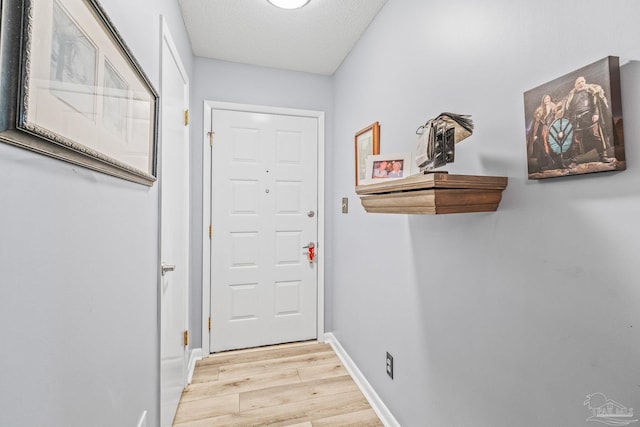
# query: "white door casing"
{"points": [[174, 228], [266, 203]]}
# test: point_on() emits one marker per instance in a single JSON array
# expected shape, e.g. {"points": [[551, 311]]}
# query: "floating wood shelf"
{"points": [[434, 193]]}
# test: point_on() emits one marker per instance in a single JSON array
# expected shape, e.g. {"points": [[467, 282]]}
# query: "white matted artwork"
{"points": [[82, 97], [387, 167]]}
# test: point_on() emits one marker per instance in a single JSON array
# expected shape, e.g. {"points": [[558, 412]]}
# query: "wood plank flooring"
{"points": [[301, 385]]}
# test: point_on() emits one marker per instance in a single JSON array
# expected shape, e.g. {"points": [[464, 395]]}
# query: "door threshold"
{"points": [[262, 347]]}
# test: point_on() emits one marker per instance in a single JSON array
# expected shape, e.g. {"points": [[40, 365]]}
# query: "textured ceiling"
{"points": [[314, 39]]}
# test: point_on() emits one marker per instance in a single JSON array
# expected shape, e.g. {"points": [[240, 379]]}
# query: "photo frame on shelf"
{"points": [[573, 123], [78, 94], [367, 143], [384, 167]]}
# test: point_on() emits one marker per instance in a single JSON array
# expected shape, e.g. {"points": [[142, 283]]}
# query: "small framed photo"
{"points": [[387, 167], [367, 143]]}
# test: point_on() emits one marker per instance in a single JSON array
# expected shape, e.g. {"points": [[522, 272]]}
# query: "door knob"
{"points": [[311, 251]]}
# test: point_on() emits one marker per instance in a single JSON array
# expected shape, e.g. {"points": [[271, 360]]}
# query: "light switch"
{"points": [[345, 205]]}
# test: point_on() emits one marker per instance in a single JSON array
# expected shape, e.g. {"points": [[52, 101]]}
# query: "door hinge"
{"points": [[186, 338], [210, 231], [209, 324], [186, 117], [211, 138]]}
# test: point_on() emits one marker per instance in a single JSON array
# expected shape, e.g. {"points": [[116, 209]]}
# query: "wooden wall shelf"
{"points": [[434, 193]]}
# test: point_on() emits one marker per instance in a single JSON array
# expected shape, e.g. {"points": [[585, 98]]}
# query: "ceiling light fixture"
{"points": [[288, 4]]}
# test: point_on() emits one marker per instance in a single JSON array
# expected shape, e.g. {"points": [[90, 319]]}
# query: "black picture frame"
{"points": [[71, 89]]}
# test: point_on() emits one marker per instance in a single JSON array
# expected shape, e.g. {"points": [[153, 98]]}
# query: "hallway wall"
{"points": [[79, 263], [494, 319]]}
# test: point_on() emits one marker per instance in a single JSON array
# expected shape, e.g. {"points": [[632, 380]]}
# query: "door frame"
{"points": [[206, 206]]}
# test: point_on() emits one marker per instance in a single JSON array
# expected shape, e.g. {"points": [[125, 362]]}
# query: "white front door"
{"points": [[174, 229], [264, 211]]}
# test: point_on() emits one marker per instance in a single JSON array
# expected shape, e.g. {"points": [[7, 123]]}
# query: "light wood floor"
{"points": [[302, 385]]}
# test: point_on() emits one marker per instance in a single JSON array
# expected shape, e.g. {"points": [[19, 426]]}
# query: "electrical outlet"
{"points": [[390, 365]]}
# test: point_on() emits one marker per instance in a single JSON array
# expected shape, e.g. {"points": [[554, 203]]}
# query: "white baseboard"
{"points": [[194, 355], [369, 393]]}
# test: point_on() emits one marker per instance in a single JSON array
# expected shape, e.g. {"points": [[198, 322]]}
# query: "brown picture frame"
{"points": [[367, 143]]}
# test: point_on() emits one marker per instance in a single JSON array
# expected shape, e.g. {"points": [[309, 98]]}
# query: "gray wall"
{"points": [[230, 82], [79, 263], [493, 319]]}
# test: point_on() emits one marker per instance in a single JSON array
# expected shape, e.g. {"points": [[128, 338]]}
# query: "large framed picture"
{"points": [[383, 167], [367, 144], [574, 123], [77, 94]]}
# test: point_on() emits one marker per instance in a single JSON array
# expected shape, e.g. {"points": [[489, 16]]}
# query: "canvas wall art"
{"points": [[574, 123]]}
